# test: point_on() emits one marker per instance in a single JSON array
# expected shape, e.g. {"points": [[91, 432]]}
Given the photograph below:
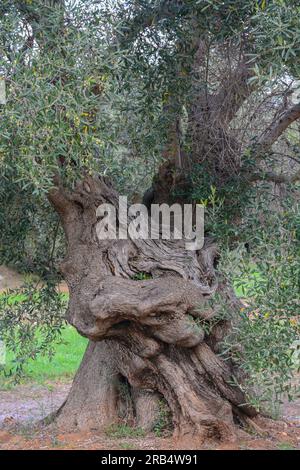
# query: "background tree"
{"points": [[194, 93]]}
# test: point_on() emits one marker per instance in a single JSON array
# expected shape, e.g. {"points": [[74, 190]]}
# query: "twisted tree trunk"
{"points": [[146, 332]]}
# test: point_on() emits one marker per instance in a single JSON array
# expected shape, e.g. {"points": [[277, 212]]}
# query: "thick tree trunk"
{"points": [[93, 399], [148, 333], [99, 396]]}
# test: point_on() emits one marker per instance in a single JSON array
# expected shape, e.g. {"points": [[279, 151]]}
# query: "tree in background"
{"points": [[200, 96]]}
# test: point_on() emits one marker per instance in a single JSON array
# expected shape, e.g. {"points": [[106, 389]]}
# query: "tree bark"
{"points": [[148, 332], [93, 398]]}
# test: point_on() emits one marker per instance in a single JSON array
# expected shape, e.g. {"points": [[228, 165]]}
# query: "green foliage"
{"points": [[163, 423], [264, 341], [31, 321], [31, 238], [142, 276], [118, 431], [68, 107], [68, 349], [86, 90], [223, 203], [277, 38], [286, 446], [124, 393], [127, 445]]}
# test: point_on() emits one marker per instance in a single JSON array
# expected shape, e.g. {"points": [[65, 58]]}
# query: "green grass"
{"points": [[127, 446], [61, 366], [119, 431], [285, 446]]}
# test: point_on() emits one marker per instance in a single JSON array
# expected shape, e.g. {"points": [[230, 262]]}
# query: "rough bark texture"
{"points": [[92, 401], [146, 331]]}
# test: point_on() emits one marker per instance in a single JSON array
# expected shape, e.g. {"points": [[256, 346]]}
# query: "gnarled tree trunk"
{"points": [[146, 332]]}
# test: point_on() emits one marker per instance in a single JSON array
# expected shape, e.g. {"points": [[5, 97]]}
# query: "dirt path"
{"points": [[23, 406]]}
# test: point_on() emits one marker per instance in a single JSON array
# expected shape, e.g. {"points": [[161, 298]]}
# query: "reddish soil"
{"points": [[22, 407]]}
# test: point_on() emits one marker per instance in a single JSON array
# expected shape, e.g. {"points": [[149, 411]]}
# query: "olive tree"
{"points": [[101, 96]]}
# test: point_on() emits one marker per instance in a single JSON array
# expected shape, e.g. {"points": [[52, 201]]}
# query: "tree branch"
{"points": [[274, 131], [234, 91], [276, 178]]}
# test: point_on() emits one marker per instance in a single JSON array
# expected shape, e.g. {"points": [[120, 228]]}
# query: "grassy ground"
{"points": [[61, 366], [65, 361]]}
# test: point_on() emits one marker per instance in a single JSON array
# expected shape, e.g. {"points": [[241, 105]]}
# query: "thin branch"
{"points": [[234, 90], [274, 131], [285, 155], [276, 178]]}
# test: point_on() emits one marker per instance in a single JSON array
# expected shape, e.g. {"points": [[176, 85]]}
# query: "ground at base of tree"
{"points": [[22, 406]]}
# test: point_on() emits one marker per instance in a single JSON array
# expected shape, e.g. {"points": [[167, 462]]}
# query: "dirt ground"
{"points": [[11, 279], [22, 407]]}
